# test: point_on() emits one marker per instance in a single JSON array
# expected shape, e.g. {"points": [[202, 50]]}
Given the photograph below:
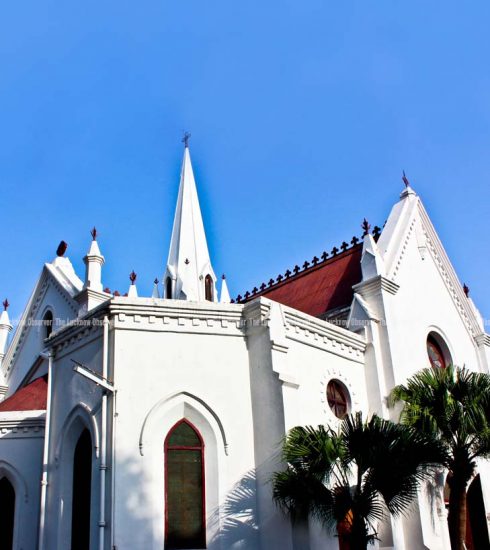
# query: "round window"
{"points": [[338, 398], [435, 353]]}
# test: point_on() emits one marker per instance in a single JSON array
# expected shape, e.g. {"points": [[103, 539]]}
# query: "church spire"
{"points": [[189, 274]]}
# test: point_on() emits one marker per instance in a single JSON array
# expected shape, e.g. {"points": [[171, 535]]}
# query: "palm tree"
{"points": [[453, 406], [348, 479]]}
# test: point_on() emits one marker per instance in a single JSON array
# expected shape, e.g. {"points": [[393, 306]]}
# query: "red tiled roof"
{"points": [[320, 288], [29, 398]]}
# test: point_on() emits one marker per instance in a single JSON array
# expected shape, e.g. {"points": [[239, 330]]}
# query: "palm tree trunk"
{"points": [[457, 513], [352, 533], [358, 534]]}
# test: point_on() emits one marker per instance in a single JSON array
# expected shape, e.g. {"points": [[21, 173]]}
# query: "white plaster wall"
{"points": [[268, 430], [423, 304], [314, 369], [75, 406], [20, 461], [150, 367]]}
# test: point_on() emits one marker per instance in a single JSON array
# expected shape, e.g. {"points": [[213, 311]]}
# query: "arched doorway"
{"points": [[7, 514], [184, 488], [81, 495], [476, 521]]}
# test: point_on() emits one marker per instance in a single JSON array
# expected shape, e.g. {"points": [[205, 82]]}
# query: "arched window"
{"points": [[208, 288], [7, 514], [184, 488], [437, 357], [168, 288], [81, 496], [48, 324]]}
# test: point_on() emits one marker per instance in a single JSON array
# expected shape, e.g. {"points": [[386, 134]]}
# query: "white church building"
{"points": [[155, 422]]}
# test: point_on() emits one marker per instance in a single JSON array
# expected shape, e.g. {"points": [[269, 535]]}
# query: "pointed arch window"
{"points": [[184, 488], [168, 288], [7, 514], [82, 490], [208, 288], [48, 324]]}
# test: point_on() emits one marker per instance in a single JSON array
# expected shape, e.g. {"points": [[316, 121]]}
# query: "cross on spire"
{"points": [[185, 139]]}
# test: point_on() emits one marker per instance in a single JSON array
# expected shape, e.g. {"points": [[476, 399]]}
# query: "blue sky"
{"points": [[302, 114]]}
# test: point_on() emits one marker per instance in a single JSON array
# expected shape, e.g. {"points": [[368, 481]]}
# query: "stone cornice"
{"points": [[153, 315], [22, 424], [483, 339], [375, 286], [308, 330], [324, 335]]}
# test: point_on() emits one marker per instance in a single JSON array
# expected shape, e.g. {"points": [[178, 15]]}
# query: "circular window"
{"points": [[436, 355], [338, 398]]}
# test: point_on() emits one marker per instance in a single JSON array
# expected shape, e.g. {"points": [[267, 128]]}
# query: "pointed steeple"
{"points": [[189, 274]]}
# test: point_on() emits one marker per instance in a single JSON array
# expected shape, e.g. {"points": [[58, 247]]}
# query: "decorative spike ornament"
{"points": [[366, 227]]}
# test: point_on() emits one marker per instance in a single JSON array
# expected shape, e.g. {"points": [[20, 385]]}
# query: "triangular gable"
{"points": [[56, 284], [409, 219]]}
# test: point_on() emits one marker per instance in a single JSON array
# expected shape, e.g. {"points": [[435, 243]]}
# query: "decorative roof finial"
{"points": [[223, 276], [185, 139], [466, 290], [132, 277], [156, 281], [5, 304], [366, 227], [94, 234], [405, 180], [60, 251]]}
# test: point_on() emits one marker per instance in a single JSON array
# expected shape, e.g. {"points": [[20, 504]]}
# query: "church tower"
{"points": [[189, 274]]}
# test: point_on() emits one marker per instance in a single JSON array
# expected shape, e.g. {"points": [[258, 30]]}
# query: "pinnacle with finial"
{"points": [[156, 281], [5, 304], [132, 277], [94, 234]]}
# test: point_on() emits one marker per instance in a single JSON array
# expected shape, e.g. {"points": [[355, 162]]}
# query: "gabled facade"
{"points": [[150, 423]]}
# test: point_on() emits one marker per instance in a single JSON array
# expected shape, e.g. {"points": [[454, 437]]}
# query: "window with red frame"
{"points": [[435, 353], [184, 488], [338, 398]]}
